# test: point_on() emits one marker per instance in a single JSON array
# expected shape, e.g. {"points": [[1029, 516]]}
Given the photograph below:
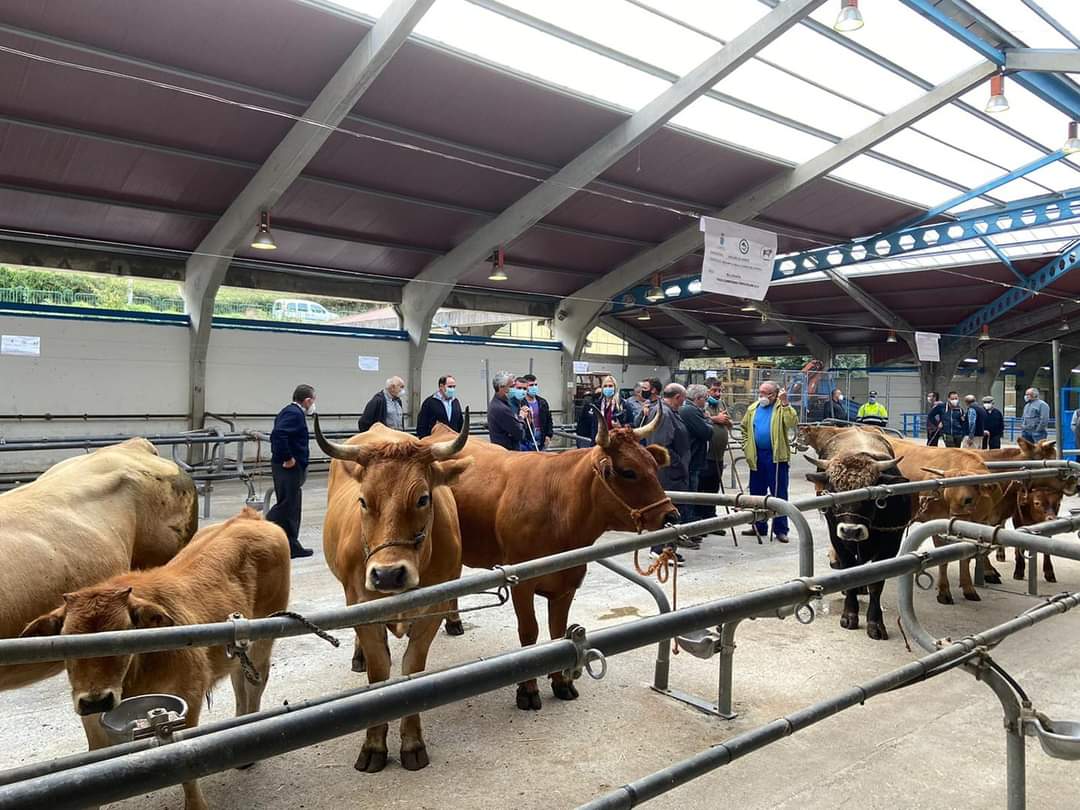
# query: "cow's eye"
{"points": [[630, 475], [423, 502], [363, 503]]}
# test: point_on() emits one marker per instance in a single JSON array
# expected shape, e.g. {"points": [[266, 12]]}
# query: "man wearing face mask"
{"points": [[672, 434], [872, 412], [652, 400], [765, 429], [719, 423], [1036, 417], [506, 425], [528, 414], [540, 409], [385, 407], [994, 425], [834, 407], [959, 422], [288, 463], [979, 434], [935, 418], [635, 402], [442, 406]]}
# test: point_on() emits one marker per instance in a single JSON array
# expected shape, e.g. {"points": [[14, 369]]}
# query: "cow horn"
{"points": [[345, 452], [449, 449], [886, 463], [817, 462], [603, 438], [934, 471], [645, 431]]}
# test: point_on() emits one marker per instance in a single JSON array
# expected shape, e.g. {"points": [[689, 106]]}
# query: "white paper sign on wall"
{"points": [[926, 343], [368, 363], [581, 366], [712, 374], [25, 345], [738, 259]]}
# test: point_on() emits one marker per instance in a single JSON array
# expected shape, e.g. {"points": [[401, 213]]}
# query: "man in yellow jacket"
{"points": [[872, 412], [765, 428]]}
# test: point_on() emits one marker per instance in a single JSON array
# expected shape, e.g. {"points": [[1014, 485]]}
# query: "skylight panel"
{"points": [[1022, 22], [1066, 12], [1020, 189], [725, 20], [1027, 113], [1058, 176], [918, 150], [960, 128], [498, 39], [900, 183], [373, 8]]}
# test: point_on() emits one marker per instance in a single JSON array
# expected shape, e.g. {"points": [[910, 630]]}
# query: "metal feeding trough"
{"points": [[702, 644], [1059, 738], [145, 716]]}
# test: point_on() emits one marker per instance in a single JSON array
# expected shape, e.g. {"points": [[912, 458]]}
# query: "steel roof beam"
{"points": [[715, 334], [819, 348], [1052, 21], [208, 264], [667, 355], [582, 306], [1045, 60], [884, 315]]}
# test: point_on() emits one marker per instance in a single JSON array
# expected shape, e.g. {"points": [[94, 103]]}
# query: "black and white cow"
{"points": [[866, 531]]}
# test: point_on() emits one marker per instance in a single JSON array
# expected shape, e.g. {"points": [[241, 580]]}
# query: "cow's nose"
{"points": [[96, 704], [968, 501], [671, 518], [388, 577]]}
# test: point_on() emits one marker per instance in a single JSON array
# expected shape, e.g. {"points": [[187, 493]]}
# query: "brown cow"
{"points": [[241, 565], [1043, 449], [517, 506], [391, 525], [84, 520]]}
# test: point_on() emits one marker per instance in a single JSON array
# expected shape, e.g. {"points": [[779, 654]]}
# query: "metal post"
{"points": [[663, 649], [724, 697], [1033, 571], [1015, 750]]}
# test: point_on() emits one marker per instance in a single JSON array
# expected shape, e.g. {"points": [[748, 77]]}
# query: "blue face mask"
{"points": [[713, 401], [608, 391], [534, 390], [517, 393], [451, 391]]}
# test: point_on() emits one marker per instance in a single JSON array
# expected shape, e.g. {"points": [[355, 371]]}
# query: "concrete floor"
{"points": [[937, 745]]}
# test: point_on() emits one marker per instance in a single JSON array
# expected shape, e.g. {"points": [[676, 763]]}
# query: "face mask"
{"points": [[954, 402], [840, 398], [988, 405], [871, 400], [713, 401], [310, 409], [517, 393], [451, 391], [608, 391], [930, 400], [534, 390], [763, 402]]}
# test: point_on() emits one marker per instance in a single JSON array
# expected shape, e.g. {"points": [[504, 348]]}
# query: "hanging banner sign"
{"points": [[738, 259], [26, 345], [927, 345]]}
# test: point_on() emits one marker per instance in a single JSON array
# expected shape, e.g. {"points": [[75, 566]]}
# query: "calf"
{"points": [[241, 565]]}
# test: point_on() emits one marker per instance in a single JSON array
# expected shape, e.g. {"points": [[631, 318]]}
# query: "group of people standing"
{"points": [[960, 423]]}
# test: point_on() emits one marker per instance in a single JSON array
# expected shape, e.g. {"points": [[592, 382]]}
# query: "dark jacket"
{"points": [[547, 427], [956, 421], [835, 410], [980, 419], [504, 428], [588, 422], [374, 411], [935, 419], [673, 435], [994, 422], [700, 432], [289, 438], [432, 411]]}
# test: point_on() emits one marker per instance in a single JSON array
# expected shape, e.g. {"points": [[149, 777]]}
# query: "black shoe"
{"points": [[300, 551], [750, 533]]}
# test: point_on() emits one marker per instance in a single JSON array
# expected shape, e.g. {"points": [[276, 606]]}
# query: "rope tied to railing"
{"points": [[662, 568]]}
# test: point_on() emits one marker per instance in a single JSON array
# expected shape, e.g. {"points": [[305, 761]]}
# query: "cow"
{"points": [[83, 520], [239, 566], [1043, 449], [865, 531], [391, 525], [517, 506]]}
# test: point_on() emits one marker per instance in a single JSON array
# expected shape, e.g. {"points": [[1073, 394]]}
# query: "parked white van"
{"points": [[297, 309]]}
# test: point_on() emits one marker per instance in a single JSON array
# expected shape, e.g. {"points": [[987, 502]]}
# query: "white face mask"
{"points": [[839, 397], [310, 409], [954, 402], [930, 400], [763, 402], [988, 405]]}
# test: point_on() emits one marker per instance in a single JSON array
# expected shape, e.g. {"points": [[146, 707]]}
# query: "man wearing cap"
{"points": [[872, 412], [993, 425]]}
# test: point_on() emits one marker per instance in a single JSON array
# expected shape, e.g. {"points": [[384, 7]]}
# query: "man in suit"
{"points": [[289, 462], [442, 406], [385, 407], [543, 426], [506, 421]]}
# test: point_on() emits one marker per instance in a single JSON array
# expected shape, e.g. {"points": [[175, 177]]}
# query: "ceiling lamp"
{"points": [[694, 286], [1009, 363], [748, 307], [263, 239], [498, 266], [790, 342], [997, 103], [892, 336], [850, 18], [1064, 327], [654, 293], [1072, 143], [673, 291], [971, 359], [644, 315], [984, 333]]}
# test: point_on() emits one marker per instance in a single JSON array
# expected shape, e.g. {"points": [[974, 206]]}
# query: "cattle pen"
{"points": [[136, 767]]}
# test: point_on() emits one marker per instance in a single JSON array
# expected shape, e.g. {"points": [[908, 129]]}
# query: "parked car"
{"points": [[297, 309]]}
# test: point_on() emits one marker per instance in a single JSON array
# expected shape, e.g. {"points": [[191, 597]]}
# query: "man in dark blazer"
{"points": [[543, 423], [289, 462], [385, 407], [506, 425], [442, 406]]}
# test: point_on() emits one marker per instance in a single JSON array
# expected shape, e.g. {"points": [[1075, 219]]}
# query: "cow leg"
{"points": [[875, 618], [1020, 569], [248, 694], [849, 619], [944, 595], [193, 795], [991, 576], [558, 616], [1000, 554], [1048, 569], [414, 754], [528, 693], [454, 627], [966, 585], [372, 639]]}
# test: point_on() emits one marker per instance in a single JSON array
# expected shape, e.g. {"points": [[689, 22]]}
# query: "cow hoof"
{"points": [[1050, 577], [564, 690], [455, 628], [850, 621], [528, 701], [1019, 575], [945, 598], [358, 663], [415, 760], [1000, 555], [972, 597], [876, 631], [370, 760], [992, 578]]}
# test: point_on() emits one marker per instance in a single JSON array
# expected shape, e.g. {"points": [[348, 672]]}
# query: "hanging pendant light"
{"points": [[790, 342], [997, 103], [655, 293], [984, 333], [850, 18], [1072, 143], [892, 337], [644, 315], [748, 307], [263, 239], [498, 266]]}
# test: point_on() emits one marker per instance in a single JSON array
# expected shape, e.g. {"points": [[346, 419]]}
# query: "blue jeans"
{"points": [[770, 479], [1033, 437]]}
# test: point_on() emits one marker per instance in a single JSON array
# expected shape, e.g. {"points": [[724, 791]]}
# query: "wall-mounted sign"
{"points": [[926, 343], [26, 345], [368, 363], [738, 259], [581, 366]]}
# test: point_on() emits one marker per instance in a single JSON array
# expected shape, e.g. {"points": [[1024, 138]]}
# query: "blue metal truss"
{"points": [[1002, 257], [1016, 216], [1052, 89], [1047, 275]]}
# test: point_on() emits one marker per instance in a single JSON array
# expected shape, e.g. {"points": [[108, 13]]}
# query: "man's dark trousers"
{"points": [[288, 494]]}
